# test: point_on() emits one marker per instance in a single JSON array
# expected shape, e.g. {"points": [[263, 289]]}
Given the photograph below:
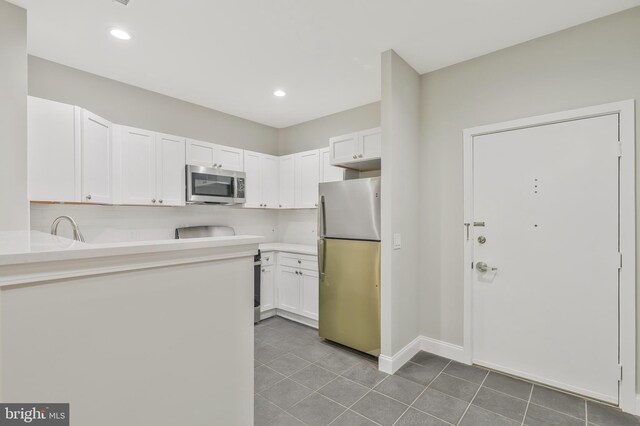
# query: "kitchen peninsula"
{"points": [[142, 333]]}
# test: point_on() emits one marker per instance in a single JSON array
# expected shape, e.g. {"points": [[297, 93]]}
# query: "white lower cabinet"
{"points": [[296, 283], [267, 288]]}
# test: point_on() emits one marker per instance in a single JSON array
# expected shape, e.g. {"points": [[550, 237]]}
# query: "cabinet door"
{"points": [[138, 166], [344, 149], [370, 142], [269, 180], [53, 151], [267, 289], [288, 285], [309, 298], [329, 173], [200, 153], [307, 179], [253, 188], [170, 173], [287, 178], [228, 158], [96, 159]]}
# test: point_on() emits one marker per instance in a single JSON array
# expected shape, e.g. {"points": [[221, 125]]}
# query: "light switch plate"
{"points": [[397, 241]]}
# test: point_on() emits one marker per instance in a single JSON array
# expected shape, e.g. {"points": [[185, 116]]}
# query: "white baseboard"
{"points": [[297, 318], [391, 364]]}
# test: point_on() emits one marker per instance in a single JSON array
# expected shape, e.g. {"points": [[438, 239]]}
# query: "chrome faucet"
{"points": [[77, 235]]}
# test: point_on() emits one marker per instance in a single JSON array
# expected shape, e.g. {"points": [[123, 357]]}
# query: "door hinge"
{"points": [[619, 149], [619, 372], [619, 260]]}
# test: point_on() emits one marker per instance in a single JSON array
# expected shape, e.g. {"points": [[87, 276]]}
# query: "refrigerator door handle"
{"points": [[321, 257], [322, 221]]}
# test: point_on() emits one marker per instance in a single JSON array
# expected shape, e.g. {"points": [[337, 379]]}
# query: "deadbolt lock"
{"points": [[482, 239]]}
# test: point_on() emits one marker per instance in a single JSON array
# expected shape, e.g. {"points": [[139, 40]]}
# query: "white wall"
{"points": [[104, 224], [298, 226], [593, 63], [14, 205], [400, 114]]}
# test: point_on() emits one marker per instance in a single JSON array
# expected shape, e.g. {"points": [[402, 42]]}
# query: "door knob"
{"points": [[483, 267]]}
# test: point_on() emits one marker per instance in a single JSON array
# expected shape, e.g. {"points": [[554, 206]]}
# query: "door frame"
{"points": [[627, 230]]}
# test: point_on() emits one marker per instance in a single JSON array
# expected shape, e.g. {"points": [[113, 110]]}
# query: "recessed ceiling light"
{"points": [[120, 34], [280, 93]]}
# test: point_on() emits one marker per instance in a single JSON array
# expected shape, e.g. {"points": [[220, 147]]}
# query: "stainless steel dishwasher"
{"points": [[225, 231]]}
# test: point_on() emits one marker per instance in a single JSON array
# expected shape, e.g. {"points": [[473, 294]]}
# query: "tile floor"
{"points": [[302, 380]]}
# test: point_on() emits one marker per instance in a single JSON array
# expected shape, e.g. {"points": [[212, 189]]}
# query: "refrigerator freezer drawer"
{"points": [[350, 293]]}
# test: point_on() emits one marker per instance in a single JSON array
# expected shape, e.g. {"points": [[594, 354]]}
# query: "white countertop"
{"points": [[24, 247], [290, 248]]}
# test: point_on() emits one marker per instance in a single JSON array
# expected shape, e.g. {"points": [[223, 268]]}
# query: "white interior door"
{"points": [[548, 197]]}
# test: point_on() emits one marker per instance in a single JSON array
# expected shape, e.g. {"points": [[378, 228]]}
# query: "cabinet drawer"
{"points": [[268, 258], [299, 261]]}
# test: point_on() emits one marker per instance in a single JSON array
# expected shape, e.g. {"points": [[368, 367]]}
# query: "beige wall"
{"points": [[315, 134], [14, 205], [133, 106], [400, 114], [594, 63]]}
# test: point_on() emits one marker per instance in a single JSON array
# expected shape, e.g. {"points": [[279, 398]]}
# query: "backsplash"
{"points": [[106, 224], [298, 226]]}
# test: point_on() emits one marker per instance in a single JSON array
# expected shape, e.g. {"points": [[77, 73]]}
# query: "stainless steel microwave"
{"points": [[216, 186]]}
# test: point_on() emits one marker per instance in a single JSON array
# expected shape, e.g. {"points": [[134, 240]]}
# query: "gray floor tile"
{"points": [[288, 364], [351, 418], [603, 415], [286, 419], [509, 385], [317, 410], [441, 405], [469, 373], [313, 377], [365, 374], [265, 352], [414, 417], [426, 359], [343, 391], [313, 351], [477, 416], [399, 388], [417, 373], [559, 401], [269, 335], [501, 403], [540, 416], [339, 362], [264, 377], [379, 408], [455, 387], [264, 411], [286, 393]]}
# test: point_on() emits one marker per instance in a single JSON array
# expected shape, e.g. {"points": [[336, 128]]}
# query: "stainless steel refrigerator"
{"points": [[349, 263]]}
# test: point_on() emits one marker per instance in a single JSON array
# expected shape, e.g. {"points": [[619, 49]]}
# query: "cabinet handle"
{"points": [[219, 166], [160, 201], [267, 258], [360, 155], [316, 204], [89, 197], [153, 200], [263, 269], [279, 205], [355, 156], [299, 261]]}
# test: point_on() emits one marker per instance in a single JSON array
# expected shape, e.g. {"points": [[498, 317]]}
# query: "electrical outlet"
{"points": [[397, 241]]}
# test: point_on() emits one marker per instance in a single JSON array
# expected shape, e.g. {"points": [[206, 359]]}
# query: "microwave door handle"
{"points": [[235, 189]]}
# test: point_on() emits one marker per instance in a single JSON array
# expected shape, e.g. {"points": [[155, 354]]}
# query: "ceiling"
{"points": [[231, 55]]}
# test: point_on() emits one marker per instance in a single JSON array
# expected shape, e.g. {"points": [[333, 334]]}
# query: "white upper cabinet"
{"points": [[269, 181], [307, 178], [137, 166], [287, 185], [261, 180], [359, 151], [149, 167], [170, 170], [329, 173], [53, 151], [207, 154], [96, 159]]}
